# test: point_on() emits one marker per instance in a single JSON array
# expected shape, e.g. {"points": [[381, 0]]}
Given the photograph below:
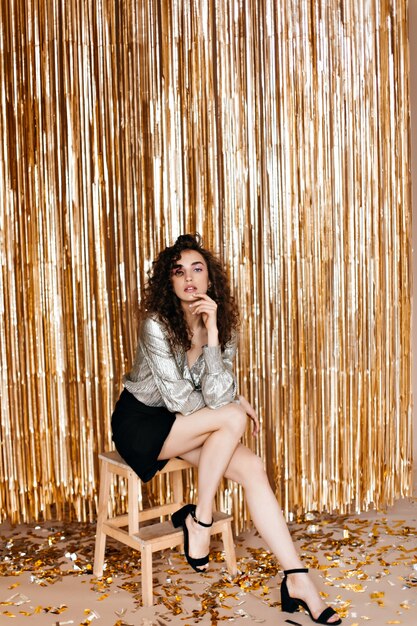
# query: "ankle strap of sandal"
{"points": [[300, 570], [198, 521]]}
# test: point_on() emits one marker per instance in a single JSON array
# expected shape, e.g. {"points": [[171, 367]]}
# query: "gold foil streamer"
{"points": [[279, 130]]}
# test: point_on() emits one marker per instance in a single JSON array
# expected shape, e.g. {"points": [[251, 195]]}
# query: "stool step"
{"points": [[154, 531], [154, 537], [157, 532]]}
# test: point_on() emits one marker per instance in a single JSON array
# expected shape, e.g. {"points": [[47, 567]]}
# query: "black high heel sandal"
{"points": [[290, 605], [178, 519]]}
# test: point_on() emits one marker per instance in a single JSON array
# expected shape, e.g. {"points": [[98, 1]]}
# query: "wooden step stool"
{"points": [[153, 537]]}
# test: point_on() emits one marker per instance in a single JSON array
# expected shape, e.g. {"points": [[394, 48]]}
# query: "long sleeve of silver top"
{"points": [[161, 377]]}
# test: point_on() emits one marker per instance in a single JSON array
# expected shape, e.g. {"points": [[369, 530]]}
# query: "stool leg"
{"points": [[133, 495], [177, 486], [147, 582], [229, 548], [178, 491], [101, 518]]}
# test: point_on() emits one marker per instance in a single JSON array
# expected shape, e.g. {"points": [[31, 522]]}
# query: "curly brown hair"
{"points": [[158, 296]]}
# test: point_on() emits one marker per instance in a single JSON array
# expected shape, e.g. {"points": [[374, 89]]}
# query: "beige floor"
{"points": [[367, 565]]}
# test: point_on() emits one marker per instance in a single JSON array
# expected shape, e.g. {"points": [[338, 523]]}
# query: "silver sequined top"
{"points": [[161, 377]]}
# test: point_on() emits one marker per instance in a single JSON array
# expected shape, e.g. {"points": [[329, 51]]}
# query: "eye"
{"points": [[177, 272], [198, 269]]}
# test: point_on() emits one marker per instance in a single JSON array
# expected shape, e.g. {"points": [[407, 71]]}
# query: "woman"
{"points": [[179, 400]]}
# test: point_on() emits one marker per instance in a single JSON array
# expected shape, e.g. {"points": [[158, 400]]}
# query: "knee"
{"points": [[251, 472], [236, 419], [256, 466]]}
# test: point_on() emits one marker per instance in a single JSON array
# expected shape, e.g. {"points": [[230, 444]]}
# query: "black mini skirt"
{"points": [[139, 432]]}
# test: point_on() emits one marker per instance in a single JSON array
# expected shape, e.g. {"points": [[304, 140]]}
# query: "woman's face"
{"points": [[189, 276]]}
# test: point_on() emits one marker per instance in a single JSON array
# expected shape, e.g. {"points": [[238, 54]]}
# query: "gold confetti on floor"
{"points": [[365, 566]]}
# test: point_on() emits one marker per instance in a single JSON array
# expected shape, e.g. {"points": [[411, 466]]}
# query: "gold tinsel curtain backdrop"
{"points": [[277, 129]]}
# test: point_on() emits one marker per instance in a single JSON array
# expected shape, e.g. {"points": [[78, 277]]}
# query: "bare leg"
{"points": [[216, 433], [247, 468]]}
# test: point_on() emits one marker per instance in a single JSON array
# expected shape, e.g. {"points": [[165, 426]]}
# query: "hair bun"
{"points": [[188, 240]]}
